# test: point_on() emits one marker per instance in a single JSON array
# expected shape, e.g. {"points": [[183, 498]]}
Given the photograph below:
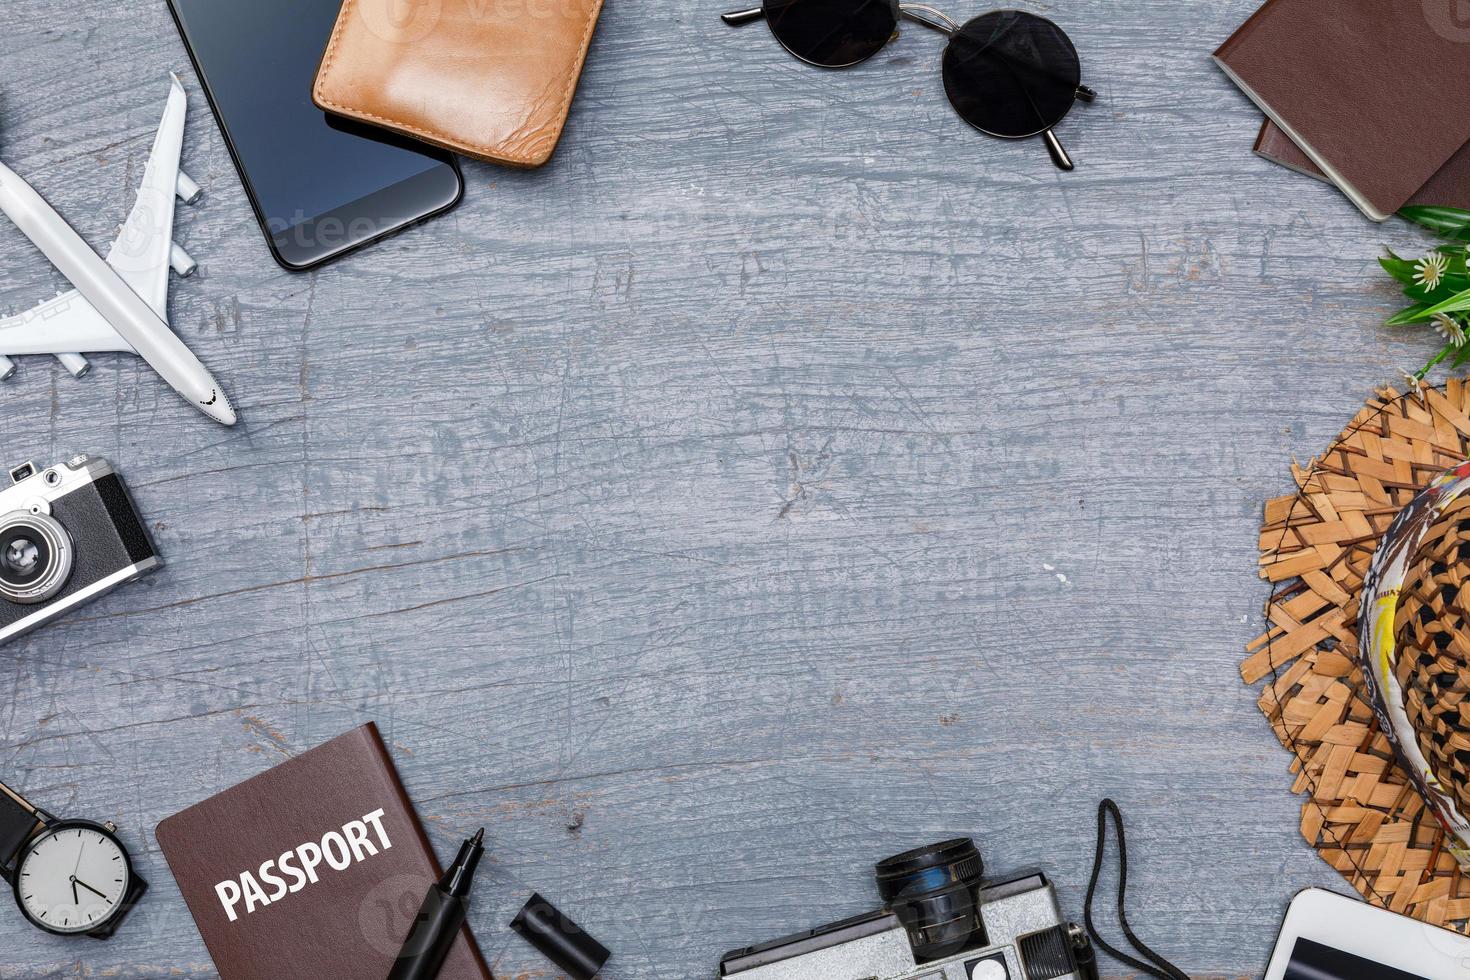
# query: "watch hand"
{"points": [[75, 899], [76, 881], [80, 851]]}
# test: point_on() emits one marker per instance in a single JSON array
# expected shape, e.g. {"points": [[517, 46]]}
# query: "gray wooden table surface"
{"points": [[783, 477]]}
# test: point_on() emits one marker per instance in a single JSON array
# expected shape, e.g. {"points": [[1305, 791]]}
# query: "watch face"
{"points": [[72, 878]]}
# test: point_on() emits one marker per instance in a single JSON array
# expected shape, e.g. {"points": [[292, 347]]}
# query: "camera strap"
{"points": [[1157, 965]]}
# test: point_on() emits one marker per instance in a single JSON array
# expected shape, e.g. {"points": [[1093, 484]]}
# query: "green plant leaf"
{"points": [[1400, 269], [1462, 354], [1456, 303], [1446, 222], [1414, 314], [1449, 286], [1404, 269]]}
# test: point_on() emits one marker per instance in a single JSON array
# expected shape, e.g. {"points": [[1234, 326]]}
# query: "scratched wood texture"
{"points": [[784, 476]]}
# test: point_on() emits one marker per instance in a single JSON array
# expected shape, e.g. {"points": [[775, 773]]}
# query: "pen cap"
{"points": [[559, 939]]}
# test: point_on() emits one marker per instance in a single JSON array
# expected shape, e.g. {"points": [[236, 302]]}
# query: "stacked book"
{"points": [[1372, 95]]}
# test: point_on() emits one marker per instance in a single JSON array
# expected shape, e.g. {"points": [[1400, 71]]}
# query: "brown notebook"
{"points": [[1362, 87], [1449, 187], [487, 79], [313, 869]]}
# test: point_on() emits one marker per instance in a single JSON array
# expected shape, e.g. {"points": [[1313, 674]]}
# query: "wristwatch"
{"points": [[71, 877]]}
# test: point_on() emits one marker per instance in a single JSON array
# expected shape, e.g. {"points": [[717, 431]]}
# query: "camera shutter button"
{"points": [[991, 969]]}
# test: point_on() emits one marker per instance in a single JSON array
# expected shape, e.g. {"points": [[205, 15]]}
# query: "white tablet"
{"points": [[1331, 937]]}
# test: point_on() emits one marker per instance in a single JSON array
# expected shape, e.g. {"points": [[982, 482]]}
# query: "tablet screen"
{"points": [[1314, 961]]}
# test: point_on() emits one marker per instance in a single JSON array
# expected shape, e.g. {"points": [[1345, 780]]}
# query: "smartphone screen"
{"points": [[320, 185], [1314, 961]]}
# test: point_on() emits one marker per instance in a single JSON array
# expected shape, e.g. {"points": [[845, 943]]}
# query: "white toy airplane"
{"points": [[120, 304]]}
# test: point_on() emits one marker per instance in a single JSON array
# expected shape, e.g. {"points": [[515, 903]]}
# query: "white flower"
{"points": [[1429, 270], [1449, 328]]}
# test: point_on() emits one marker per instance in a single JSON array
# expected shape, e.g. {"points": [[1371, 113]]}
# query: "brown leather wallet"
{"points": [[492, 79]]}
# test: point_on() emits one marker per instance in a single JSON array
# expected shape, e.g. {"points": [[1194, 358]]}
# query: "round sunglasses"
{"points": [[1008, 73]]}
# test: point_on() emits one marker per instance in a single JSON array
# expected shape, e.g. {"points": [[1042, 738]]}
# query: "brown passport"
{"points": [[1449, 187], [312, 870], [1365, 88], [491, 79]]}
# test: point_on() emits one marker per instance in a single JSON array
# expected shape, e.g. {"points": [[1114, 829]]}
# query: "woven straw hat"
{"points": [[1364, 811]]}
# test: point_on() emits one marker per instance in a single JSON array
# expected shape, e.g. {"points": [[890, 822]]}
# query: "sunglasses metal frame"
{"points": [[936, 20]]}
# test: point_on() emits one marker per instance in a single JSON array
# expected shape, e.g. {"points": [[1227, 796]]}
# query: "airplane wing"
{"points": [[142, 254], [66, 323]]}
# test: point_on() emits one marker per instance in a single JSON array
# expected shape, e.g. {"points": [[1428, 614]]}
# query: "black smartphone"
{"points": [[320, 186]]}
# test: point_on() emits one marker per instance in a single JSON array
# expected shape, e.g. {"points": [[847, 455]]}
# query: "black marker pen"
{"points": [[440, 917]]}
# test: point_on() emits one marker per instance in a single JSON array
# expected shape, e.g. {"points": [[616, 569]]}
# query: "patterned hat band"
{"points": [[1385, 661]]}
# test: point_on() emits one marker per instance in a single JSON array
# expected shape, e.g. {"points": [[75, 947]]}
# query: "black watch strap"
{"points": [[19, 822]]}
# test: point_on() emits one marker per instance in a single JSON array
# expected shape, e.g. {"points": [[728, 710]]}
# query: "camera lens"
{"points": [[35, 557], [933, 890], [23, 558]]}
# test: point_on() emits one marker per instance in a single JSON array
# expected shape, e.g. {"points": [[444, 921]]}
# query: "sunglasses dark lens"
{"points": [[1011, 73], [832, 33]]}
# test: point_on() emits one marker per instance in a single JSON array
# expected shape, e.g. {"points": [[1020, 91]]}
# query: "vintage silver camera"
{"points": [[68, 534], [940, 921]]}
